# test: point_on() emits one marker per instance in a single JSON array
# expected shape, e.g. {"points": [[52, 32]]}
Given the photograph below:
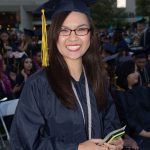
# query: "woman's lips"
{"points": [[73, 47]]}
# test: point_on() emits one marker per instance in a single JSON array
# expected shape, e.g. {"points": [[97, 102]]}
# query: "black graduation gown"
{"points": [[144, 76], [134, 108], [41, 122], [145, 40]]}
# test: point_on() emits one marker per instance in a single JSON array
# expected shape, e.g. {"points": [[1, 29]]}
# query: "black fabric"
{"points": [[42, 122], [134, 111], [53, 7], [145, 40]]}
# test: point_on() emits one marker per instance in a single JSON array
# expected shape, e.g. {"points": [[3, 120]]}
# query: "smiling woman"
{"points": [[75, 44], [67, 105]]}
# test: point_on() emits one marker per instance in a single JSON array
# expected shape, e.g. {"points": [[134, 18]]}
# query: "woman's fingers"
{"points": [[97, 141], [114, 147]]}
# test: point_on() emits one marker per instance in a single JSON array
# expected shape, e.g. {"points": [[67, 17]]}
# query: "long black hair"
{"points": [[122, 73], [58, 73]]}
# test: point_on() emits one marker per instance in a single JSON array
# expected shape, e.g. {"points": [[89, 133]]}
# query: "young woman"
{"points": [[67, 105], [5, 84], [25, 72]]}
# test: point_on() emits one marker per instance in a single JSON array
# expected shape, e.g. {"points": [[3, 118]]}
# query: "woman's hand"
{"points": [[16, 88], [145, 133], [24, 74], [115, 145], [94, 144]]}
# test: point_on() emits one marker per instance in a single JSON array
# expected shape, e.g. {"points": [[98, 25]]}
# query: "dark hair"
{"points": [[58, 72], [123, 71], [21, 65], [117, 37]]}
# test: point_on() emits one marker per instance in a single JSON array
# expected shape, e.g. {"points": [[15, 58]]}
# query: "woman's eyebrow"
{"points": [[77, 26]]}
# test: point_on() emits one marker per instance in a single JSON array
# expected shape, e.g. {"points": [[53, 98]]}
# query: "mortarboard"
{"points": [[141, 20], [53, 7], [111, 59], [56, 7], [29, 32], [139, 53], [73, 5]]}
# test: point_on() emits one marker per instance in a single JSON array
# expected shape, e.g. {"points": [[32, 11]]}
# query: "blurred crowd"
{"points": [[126, 56], [20, 56], [125, 52]]}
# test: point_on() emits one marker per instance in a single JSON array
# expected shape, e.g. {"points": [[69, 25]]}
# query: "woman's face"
{"points": [[72, 46], [4, 37], [28, 64], [141, 62], [132, 78]]}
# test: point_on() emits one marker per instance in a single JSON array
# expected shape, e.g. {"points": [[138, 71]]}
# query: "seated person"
{"points": [[133, 104]]}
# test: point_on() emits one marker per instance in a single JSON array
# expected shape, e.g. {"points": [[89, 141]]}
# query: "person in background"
{"points": [[26, 70], [12, 73], [111, 65], [145, 34], [37, 61], [67, 104], [25, 44], [5, 84], [140, 58], [133, 104], [5, 44]]}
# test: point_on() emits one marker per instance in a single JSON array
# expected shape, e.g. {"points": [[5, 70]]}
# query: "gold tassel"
{"points": [[45, 59]]}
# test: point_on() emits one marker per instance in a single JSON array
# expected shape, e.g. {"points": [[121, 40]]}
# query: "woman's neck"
{"points": [[27, 71], [75, 68]]}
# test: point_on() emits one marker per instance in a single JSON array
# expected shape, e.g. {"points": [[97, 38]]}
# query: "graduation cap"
{"points": [[141, 20], [139, 54], [53, 7], [58, 6], [28, 32], [111, 59]]}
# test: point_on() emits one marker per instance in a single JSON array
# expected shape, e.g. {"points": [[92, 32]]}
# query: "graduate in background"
{"points": [[133, 104], [142, 25], [67, 106], [141, 60], [111, 65]]}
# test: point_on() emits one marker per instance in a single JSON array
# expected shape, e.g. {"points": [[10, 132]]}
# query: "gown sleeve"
{"points": [[29, 122], [110, 117]]}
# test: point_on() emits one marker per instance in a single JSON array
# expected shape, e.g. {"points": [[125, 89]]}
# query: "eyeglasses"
{"points": [[79, 31]]}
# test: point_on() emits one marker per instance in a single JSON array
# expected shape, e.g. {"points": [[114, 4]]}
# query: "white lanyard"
{"points": [[88, 105]]}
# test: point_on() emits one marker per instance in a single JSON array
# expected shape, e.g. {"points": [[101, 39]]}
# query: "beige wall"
{"points": [[24, 7], [14, 5]]}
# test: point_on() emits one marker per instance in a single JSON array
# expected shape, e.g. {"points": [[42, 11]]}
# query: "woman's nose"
{"points": [[73, 36]]}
